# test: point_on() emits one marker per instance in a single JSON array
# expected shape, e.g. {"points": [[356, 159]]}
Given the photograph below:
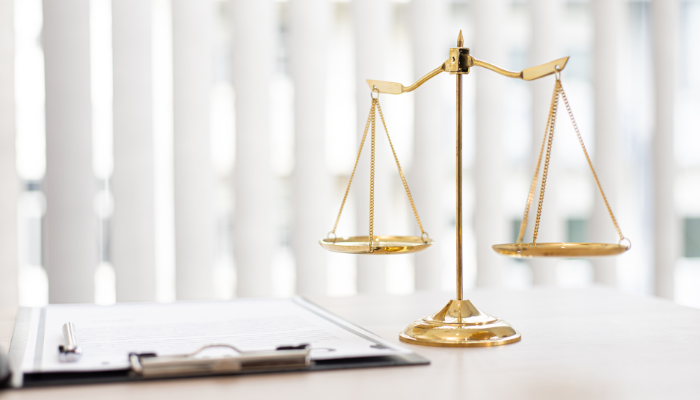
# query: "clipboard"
{"points": [[148, 366]]}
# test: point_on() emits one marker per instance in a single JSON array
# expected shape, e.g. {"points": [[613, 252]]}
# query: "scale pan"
{"points": [[528, 250], [384, 244]]}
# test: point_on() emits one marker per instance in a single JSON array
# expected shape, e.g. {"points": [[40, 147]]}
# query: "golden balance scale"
{"points": [[459, 323]]}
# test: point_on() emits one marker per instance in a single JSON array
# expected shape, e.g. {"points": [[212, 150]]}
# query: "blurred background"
{"points": [[185, 149]]}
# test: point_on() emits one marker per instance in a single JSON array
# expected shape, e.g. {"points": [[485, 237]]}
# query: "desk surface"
{"points": [[590, 343]]}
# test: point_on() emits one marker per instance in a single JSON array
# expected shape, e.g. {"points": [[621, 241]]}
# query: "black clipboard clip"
{"points": [[151, 365]]}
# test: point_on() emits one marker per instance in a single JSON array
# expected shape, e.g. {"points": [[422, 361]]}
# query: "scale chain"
{"points": [[548, 138], [533, 184], [545, 169], [371, 123], [371, 180], [590, 164], [357, 160], [401, 174]]}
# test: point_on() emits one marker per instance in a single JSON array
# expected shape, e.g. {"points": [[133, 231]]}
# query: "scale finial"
{"points": [[460, 39]]}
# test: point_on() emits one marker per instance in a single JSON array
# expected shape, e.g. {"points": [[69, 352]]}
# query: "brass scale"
{"points": [[459, 323]]}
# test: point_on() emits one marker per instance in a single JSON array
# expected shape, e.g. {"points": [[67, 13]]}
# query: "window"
{"points": [[576, 230], [691, 237]]}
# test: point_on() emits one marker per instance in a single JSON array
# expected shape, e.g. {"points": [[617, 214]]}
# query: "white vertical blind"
{"points": [[371, 22], [254, 57], [310, 30], [544, 23], [163, 143], [9, 184], [606, 153], [133, 220], [70, 224], [193, 174], [430, 42], [665, 22], [71, 237], [489, 220]]}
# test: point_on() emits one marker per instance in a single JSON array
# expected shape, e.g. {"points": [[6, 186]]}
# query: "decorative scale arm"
{"points": [[529, 74], [459, 63], [397, 88]]}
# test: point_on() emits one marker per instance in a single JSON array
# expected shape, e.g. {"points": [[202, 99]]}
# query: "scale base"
{"points": [[459, 324]]}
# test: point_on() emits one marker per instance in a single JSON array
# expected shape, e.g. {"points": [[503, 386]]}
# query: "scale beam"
{"points": [[460, 62]]}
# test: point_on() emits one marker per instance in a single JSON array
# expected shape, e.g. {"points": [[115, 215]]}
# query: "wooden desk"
{"points": [[577, 344]]}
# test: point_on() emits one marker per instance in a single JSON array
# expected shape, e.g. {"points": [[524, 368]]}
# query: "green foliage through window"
{"points": [[576, 230], [691, 236]]}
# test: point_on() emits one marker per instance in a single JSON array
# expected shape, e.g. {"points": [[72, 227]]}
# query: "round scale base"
{"points": [[528, 250], [460, 324], [382, 244]]}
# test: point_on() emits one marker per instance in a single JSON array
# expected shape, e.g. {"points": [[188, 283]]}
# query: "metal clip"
{"points": [[150, 365]]}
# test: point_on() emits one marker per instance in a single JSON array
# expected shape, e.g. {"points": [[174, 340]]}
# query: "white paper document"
{"points": [[107, 334]]}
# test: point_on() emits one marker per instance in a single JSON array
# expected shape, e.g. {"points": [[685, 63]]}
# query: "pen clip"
{"points": [[69, 351]]}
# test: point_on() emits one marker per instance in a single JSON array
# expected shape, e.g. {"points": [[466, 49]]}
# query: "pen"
{"points": [[69, 351]]}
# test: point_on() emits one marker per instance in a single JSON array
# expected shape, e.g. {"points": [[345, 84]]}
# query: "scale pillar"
{"points": [[459, 323], [455, 57]]}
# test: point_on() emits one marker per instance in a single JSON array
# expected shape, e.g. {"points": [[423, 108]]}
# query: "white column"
{"points": [[71, 225], [9, 183], [371, 23], [193, 174], [544, 20], [490, 225], [608, 16], [665, 22], [310, 29], [133, 220], [254, 60], [428, 35]]}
